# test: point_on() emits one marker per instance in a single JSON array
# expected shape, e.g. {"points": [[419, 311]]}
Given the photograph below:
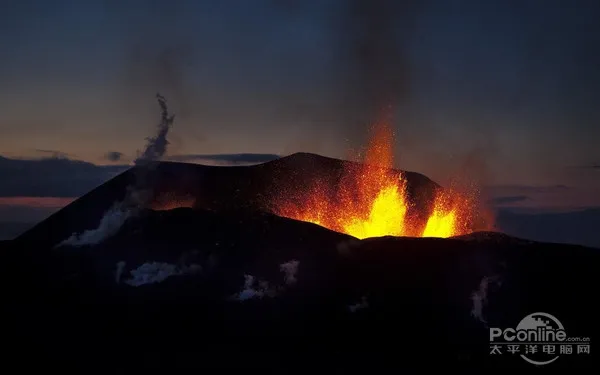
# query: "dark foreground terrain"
{"points": [[196, 289]]}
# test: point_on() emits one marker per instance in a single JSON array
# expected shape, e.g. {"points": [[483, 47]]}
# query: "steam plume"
{"points": [[157, 146], [139, 193], [480, 297]]}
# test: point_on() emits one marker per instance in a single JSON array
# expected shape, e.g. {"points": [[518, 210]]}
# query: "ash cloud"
{"points": [[164, 66], [371, 39], [159, 52], [370, 69]]}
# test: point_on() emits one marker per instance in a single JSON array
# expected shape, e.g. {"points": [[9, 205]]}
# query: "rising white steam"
{"points": [[109, 225], [150, 273], [156, 147], [290, 269], [363, 304], [254, 288], [480, 297], [248, 291], [119, 271], [138, 193], [155, 272]]}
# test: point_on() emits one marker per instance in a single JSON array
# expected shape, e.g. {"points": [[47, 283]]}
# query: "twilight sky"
{"points": [[507, 89]]}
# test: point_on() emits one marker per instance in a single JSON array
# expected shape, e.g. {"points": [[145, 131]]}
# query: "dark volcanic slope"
{"points": [[211, 187], [385, 303]]}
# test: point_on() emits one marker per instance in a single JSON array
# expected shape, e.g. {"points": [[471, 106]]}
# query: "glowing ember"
{"points": [[372, 201]]}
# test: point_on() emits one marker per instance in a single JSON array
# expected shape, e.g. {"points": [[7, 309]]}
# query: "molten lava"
{"points": [[372, 200]]}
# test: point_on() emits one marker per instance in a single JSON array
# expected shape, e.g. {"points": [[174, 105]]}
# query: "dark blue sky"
{"points": [[507, 88]]}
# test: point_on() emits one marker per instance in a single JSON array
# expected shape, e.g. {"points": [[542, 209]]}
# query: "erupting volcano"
{"points": [[167, 245], [372, 200]]}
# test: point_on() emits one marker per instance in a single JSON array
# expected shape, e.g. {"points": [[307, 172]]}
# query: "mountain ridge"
{"points": [[254, 187]]}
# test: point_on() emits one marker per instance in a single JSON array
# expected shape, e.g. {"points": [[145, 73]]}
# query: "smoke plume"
{"points": [[159, 52], [157, 146], [139, 193], [371, 38]]}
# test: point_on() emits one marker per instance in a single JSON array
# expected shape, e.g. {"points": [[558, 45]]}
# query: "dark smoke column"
{"points": [[371, 37]]}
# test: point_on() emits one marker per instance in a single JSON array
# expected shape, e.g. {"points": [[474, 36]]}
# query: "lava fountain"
{"points": [[372, 200]]}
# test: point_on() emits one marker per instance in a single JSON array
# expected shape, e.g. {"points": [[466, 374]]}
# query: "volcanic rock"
{"points": [[215, 294]]}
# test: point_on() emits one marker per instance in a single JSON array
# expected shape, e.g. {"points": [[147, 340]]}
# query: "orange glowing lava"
{"points": [[372, 200]]}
